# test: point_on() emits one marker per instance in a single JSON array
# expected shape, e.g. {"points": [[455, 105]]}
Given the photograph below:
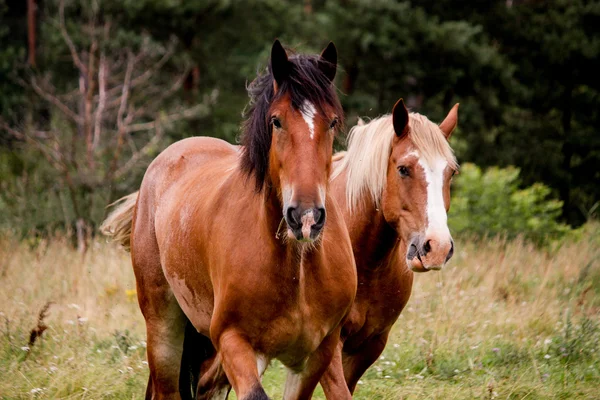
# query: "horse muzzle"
{"points": [[429, 254], [305, 224]]}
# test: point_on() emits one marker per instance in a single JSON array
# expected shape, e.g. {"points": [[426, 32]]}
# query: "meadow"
{"points": [[503, 320]]}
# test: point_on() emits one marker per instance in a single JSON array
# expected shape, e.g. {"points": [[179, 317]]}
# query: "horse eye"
{"points": [[333, 124], [404, 172], [276, 123]]}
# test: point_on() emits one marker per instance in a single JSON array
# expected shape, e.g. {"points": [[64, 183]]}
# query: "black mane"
{"points": [[304, 82]]}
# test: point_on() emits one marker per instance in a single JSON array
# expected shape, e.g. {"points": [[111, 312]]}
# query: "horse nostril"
{"points": [[451, 252], [427, 247], [319, 217], [292, 217]]}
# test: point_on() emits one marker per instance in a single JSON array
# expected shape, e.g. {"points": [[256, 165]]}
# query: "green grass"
{"points": [[503, 320]]}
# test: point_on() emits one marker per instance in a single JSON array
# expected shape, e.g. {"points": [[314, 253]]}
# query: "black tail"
{"points": [[191, 360]]}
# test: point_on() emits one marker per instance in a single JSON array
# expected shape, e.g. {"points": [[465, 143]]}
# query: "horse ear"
{"points": [[448, 125], [400, 118], [360, 122], [328, 61], [280, 65]]}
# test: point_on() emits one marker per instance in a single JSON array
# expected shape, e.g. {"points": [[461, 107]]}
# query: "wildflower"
{"points": [[36, 391], [396, 345], [496, 350], [547, 356], [360, 382], [545, 377], [547, 341]]}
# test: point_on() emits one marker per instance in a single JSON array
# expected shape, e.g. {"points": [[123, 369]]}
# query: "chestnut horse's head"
{"points": [[288, 136], [407, 168]]}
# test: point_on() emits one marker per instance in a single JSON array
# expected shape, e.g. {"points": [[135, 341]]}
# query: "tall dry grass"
{"points": [[503, 320]]}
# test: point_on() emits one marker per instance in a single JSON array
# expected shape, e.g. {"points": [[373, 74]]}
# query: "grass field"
{"points": [[503, 320]]}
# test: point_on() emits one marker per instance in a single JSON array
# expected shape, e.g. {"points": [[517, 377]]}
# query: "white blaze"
{"points": [[308, 112], [437, 219]]}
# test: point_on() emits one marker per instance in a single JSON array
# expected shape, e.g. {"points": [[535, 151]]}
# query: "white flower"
{"points": [[547, 356], [25, 348]]}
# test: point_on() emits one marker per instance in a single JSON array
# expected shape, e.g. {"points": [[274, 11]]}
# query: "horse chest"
{"points": [[379, 301]]}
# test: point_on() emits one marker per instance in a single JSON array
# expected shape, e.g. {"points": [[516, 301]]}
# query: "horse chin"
{"points": [[300, 236], [416, 265]]}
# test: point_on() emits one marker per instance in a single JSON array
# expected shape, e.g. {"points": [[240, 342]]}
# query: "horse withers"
{"points": [[246, 243], [393, 185]]}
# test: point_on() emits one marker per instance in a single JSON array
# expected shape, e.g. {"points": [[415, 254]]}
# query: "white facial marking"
{"points": [[437, 219], [413, 153], [308, 111]]}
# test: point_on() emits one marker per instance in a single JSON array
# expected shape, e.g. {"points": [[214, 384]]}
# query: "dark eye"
{"points": [[276, 123], [333, 124], [404, 172]]}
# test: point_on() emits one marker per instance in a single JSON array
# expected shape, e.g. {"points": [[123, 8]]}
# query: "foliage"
{"points": [[491, 203], [524, 72]]}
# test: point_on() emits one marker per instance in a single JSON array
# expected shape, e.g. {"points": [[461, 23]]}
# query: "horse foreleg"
{"points": [[213, 384], [356, 364], [333, 381], [239, 362], [301, 385]]}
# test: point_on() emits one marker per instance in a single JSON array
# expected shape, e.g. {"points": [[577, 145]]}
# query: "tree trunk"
{"points": [[31, 9]]}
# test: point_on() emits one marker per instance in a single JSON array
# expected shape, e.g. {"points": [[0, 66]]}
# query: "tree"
{"points": [[108, 120]]}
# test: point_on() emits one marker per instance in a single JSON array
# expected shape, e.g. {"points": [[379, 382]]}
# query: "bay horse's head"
{"points": [[288, 136], [404, 163], [416, 197]]}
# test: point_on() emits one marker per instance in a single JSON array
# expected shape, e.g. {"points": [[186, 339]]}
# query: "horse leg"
{"points": [[165, 321], [239, 362], [165, 326], [333, 380], [356, 365], [213, 383], [301, 385]]}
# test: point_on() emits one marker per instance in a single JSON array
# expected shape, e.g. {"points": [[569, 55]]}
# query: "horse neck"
{"points": [[374, 241]]}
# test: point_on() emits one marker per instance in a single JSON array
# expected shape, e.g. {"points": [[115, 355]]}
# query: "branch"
{"points": [[67, 38], [53, 99], [101, 100], [185, 114], [47, 151], [150, 71], [145, 150]]}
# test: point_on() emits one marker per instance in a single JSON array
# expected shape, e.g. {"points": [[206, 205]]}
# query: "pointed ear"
{"points": [[280, 66], [448, 125], [400, 118], [328, 61], [360, 122]]}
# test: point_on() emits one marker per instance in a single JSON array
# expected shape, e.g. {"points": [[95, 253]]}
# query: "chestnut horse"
{"points": [[206, 244], [393, 184]]}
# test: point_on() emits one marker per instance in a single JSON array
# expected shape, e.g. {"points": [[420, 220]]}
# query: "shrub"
{"points": [[491, 203]]}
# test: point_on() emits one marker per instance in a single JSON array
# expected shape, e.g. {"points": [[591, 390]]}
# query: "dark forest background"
{"points": [[91, 91]]}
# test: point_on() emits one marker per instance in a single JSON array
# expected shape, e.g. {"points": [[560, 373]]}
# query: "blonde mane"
{"points": [[369, 149]]}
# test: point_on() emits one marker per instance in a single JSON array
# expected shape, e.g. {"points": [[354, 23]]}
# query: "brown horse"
{"points": [[206, 245], [393, 185]]}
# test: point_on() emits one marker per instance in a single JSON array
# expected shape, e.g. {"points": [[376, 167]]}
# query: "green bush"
{"points": [[491, 203]]}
